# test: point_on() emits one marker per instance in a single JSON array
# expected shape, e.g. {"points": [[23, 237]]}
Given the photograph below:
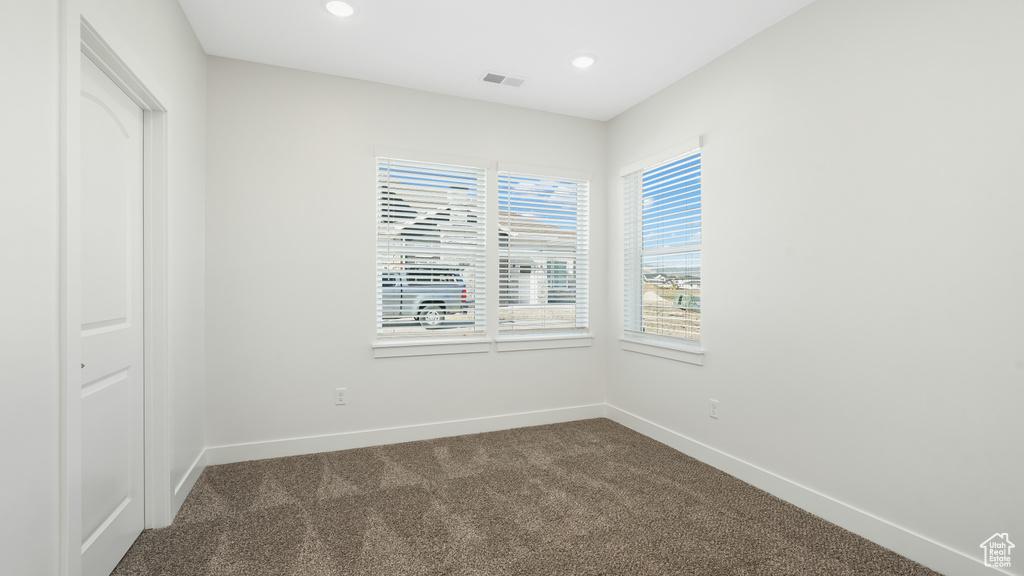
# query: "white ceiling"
{"points": [[447, 46]]}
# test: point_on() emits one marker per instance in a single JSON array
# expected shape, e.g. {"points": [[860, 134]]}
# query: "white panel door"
{"points": [[113, 512]]}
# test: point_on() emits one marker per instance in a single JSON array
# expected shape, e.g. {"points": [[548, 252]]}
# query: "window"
{"points": [[663, 248], [543, 253], [430, 249]]}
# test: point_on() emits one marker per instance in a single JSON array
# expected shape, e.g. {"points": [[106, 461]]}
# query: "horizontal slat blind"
{"points": [[430, 249], [663, 249], [672, 204], [544, 266]]}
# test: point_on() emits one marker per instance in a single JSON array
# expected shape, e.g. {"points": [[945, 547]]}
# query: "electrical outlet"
{"points": [[714, 409], [339, 397]]}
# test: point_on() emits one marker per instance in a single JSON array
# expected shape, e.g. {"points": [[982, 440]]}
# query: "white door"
{"points": [[112, 349]]}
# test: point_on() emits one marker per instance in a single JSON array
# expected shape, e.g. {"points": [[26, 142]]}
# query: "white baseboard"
{"points": [[363, 438], [187, 482], [900, 540]]}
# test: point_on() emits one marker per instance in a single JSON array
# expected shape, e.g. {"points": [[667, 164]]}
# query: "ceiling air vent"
{"points": [[504, 80]]}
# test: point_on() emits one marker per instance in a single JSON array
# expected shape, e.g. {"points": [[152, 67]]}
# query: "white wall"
{"points": [[157, 41], [863, 261], [29, 375], [863, 200], [290, 257]]}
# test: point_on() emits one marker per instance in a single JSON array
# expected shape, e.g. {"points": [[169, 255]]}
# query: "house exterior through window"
{"points": [[430, 251], [543, 243]]}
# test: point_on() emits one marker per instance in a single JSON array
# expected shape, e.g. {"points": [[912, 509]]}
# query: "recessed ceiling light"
{"points": [[340, 9], [583, 61]]}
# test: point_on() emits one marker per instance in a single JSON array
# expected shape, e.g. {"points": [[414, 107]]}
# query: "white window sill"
{"points": [[400, 348], [689, 353], [435, 347], [543, 342]]}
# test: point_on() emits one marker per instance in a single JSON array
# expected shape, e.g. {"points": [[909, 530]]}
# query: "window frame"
{"points": [[558, 336], [425, 341], [664, 346], [490, 339]]}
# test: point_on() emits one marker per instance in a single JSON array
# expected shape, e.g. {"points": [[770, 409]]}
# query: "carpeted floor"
{"points": [[589, 497]]}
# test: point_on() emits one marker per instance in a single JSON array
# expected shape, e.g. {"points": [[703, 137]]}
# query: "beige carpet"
{"points": [[589, 497]]}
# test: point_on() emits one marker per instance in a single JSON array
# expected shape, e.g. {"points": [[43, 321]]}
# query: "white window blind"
{"points": [[543, 240], [662, 216], [430, 249]]}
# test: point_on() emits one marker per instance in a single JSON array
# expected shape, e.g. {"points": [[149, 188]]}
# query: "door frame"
{"points": [[81, 37]]}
